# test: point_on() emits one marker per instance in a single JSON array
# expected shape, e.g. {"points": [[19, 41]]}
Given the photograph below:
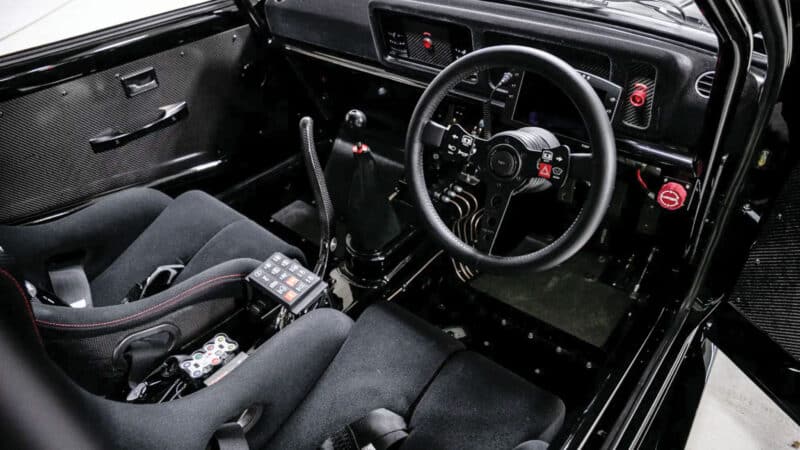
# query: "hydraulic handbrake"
{"points": [[321, 196]]}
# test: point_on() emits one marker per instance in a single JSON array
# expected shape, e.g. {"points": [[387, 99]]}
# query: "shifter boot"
{"points": [[372, 220]]}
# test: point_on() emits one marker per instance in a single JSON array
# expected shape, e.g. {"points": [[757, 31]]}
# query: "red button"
{"points": [[290, 296], [671, 196], [545, 171]]}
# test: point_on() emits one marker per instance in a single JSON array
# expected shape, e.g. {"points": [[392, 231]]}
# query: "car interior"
{"points": [[347, 224]]}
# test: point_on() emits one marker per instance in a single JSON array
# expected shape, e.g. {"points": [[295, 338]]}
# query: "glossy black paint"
{"points": [[734, 29]]}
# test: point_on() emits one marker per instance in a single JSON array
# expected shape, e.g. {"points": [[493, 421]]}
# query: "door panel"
{"points": [[47, 162], [767, 292], [759, 328]]}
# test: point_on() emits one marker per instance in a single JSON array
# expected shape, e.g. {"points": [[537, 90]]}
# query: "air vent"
{"points": [[704, 83]]}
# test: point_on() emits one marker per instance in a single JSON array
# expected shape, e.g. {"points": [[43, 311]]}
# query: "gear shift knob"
{"points": [[356, 119]]}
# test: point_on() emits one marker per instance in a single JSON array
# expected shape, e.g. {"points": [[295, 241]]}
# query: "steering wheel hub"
{"points": [[504, 161]]}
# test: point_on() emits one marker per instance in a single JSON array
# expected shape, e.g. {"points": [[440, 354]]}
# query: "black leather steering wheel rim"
{"points": [[601, 136]]}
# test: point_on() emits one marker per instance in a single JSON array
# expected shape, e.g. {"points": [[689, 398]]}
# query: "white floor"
{"points": [[735, 414]]}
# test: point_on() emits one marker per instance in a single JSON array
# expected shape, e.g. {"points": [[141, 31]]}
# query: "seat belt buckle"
{"points": [[287, 282], [71, 285], [161, 279]]}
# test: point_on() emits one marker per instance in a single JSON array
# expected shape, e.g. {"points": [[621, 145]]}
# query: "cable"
{"points": [[641, 181], [486, 108]]}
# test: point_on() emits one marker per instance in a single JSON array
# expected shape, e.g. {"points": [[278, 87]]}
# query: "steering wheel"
{"points": [[513, 158]]}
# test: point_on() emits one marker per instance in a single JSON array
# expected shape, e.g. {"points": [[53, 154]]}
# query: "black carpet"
{"points": [[568, 297], [301, 218]]}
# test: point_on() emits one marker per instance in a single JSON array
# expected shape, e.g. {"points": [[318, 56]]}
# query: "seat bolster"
{"points": [[102, 231], [277, 376], [219, 282], [187, 224], [475, 404], [386, 362], [240, 239]]}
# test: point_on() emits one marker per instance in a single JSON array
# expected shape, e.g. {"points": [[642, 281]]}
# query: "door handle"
{"points": [[139, 82], [136, 89], [113, 138]]}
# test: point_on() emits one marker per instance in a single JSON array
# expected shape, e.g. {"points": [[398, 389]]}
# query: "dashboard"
{"points": [[655, 87]]}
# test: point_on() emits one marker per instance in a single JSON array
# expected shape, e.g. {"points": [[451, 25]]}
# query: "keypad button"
{"points": [[292, 281], [275, 270], [301, 287], [290, 296]]}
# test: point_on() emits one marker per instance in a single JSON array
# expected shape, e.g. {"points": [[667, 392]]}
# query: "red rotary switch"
{"points": [[671, 196], [639, 95], [427, 40], [360, 148]]}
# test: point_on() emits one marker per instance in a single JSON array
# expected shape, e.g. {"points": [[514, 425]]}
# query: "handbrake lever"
{"points": [[321, 196]]}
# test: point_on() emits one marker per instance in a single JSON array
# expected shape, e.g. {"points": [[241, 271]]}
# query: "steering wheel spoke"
{"points": [[554, 165], [456, 145], [498, 197]]}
